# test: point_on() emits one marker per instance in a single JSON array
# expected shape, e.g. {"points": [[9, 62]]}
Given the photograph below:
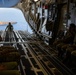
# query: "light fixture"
{"points": [[35, 0]]}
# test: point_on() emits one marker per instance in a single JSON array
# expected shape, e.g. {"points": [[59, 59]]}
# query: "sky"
{"points": [[14, 15]]}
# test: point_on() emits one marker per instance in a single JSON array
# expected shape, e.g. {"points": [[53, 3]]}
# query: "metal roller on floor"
{"points": [[36, 59]]}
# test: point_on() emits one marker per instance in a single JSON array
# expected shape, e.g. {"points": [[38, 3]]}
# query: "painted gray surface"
{"points": [[8, 3]]}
